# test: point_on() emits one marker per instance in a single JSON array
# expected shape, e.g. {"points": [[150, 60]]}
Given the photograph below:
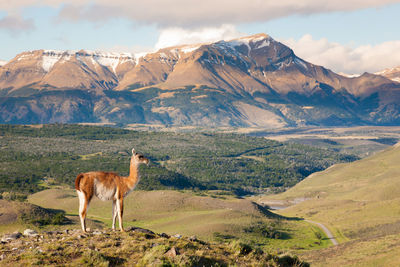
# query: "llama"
{"points": [[108, 186]]}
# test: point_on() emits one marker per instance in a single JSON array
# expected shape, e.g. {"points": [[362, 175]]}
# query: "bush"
{"points": [[39, 216], [95, 259], [14, 196], [240, 248]]}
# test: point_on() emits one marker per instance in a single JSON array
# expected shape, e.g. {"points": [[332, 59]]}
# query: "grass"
{"points": [[381, 251], [91, 155], [209, 218], [134, 249], [360, 203], [15, 215]]}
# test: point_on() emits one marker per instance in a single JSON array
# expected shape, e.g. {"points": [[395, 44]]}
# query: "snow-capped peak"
{"points": [[107, 59], [391, 73], [2, 63], [388, 71], [349, 75]]}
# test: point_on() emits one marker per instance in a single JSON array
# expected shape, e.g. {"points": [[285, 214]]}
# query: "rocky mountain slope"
{"points": [[250, 81]]}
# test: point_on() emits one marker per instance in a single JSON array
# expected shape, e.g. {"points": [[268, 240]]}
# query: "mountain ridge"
{"points": [[249, 81], [391, 73]]}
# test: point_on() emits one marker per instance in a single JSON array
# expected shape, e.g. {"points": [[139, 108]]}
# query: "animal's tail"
{"points": [[78, 181]]}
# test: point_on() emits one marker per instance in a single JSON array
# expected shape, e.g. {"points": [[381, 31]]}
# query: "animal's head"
{"points": [[139, 158]]}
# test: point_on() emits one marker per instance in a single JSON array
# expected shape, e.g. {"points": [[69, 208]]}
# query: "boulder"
{"points": [[11, 237], [140, 230], [30, 232], [172, 252]]}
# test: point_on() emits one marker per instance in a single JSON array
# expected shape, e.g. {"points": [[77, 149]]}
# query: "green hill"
{"points": [[211, 217], [360, 202], [16, 215]]}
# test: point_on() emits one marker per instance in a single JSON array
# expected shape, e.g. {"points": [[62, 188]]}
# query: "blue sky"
{"points": [[350, 36]]}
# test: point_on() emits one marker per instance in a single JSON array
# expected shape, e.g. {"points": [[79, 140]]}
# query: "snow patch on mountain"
{"points": [[3, 62], [108, 59], [189, 49], [139, 56], [349, 75], [264, 44], [391, 73], [300, 62], [49, 59], [388, 71]]}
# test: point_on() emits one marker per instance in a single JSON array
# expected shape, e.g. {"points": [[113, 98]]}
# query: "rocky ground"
{"points": [[136, 247]]}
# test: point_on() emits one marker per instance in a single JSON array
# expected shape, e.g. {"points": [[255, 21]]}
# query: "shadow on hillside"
{"points": [[268, 213], [91, 223]]}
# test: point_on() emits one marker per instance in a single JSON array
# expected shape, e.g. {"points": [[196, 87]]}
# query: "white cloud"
{"points": [[346, 58], [186, 13], [176, 36], [16, 24]]}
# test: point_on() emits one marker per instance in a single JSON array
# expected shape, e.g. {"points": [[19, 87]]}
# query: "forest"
{"points": [[35, 157]]}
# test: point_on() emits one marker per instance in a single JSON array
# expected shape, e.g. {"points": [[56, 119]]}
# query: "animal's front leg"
{"points": [[120, 209], [114, 213]]}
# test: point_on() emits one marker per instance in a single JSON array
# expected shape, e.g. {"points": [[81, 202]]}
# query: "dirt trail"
{"points": [[326, 231]]}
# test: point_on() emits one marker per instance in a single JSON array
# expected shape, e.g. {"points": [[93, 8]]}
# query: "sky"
{"points": [[347, 36]]}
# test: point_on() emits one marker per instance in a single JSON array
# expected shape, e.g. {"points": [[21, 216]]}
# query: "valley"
{"points": [[359, 203], [222, 133]]}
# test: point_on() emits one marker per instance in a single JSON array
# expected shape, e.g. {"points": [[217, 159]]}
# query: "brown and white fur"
{"points": [[108, 186]]}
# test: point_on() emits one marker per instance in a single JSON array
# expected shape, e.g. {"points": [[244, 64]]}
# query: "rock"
{"points": [[177, 236], [193, 238], [172, 252], [164, 235], [140, 230], [53, 232], [30, 232], [81, 236], [16, 235], [97, 232], [10, 237]]}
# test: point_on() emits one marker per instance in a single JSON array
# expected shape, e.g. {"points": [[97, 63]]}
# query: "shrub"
{"points": [[95, 259]]}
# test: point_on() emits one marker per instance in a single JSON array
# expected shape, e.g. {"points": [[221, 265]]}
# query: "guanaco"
{"points": [[108, 186]]}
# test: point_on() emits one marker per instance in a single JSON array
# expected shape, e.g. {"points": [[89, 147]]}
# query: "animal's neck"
{"points": [[133, 177]]}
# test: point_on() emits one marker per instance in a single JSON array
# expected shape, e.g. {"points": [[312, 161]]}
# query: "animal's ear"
{"points": [[133, 151]]}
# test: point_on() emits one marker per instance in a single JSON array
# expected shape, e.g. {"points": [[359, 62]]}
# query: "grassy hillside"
{"points": [[16, 215], [210, 217], [133, 248], [360, 202], [33, 157]]}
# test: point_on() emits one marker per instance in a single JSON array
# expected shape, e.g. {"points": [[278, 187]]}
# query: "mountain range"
{"points": [[250, 81]]}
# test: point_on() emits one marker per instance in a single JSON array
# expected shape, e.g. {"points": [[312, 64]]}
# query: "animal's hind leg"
{"points": [[114, 213], [83, 204]]}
